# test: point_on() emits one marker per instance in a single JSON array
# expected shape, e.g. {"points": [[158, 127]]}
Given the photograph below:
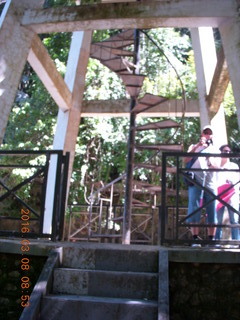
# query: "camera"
{"points": [[209, 141]]}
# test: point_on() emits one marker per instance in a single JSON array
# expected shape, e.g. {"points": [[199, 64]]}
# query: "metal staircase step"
{"points": [[148, 101], [133, 91], [159, 125], [123, 53], [147, 186], [118, 64], [62, 307], [105, 53], [156, 168], [138, 203], [132, 79], [120, 40], [163, 147], [133, 83], [115, 64]]}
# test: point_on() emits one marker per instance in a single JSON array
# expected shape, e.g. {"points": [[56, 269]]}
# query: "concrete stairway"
{"points": [[109, 282]]}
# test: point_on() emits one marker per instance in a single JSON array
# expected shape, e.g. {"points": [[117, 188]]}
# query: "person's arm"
{"points": [[196, 148]]}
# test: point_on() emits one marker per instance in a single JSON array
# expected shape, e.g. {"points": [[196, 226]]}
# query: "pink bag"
{"points": [[225, 192]]}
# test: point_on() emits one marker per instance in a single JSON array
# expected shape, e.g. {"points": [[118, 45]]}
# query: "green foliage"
{"points": [[166, 58]]}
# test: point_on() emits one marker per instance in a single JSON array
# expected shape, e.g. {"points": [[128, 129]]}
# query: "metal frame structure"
{"points": [[178, 213], [36, 215]]}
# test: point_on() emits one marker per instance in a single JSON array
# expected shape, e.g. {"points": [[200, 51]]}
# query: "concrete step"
{"points": [[131, 285], [92, 308], [111, 257]]}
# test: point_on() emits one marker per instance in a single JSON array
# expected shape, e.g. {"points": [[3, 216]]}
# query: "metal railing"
{"points": [[23, 182], [173, 219], [104, 223]]}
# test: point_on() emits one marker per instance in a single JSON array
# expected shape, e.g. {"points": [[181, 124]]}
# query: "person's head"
{"points": [[207, 135], [207, 131], [225, 148]]}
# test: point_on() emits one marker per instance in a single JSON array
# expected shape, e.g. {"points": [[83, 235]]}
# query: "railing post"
{"points": [[162, 208], [63, 194]]}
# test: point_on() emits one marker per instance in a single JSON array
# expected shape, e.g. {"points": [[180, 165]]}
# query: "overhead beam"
{"points": [[46, 70], [150, 14], [219, 84], [120, 108]]}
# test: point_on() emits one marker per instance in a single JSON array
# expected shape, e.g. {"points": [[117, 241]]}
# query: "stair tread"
{"points": [[125, 272], [159, 125], [120, 40], [117, 64], [133, 91], [167, 147], [137, 202], [155, 167], [122, 52], [148, 101], [99, 299], [148, 186], [73, 307], [105, 53], [130, 79]]}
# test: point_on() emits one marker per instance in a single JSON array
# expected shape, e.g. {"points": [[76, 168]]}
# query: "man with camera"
{"points": [[197, 197]]}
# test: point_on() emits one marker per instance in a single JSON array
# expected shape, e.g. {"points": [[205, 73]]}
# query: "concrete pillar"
{"points": [[68, 122], [205, 61], [15, 43], [230, 34]]}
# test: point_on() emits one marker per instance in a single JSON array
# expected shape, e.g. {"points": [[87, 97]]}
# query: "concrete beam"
{"points": [[150, 14], [219, 84], [46, 70], [120, 108], [15, 42]]}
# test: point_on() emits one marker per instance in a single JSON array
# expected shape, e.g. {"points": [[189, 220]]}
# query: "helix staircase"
{"points": [[117, 53]]}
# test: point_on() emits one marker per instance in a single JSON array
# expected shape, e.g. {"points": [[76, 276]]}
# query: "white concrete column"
{"points": [[230, 34], [205, 61], [68, 122], [219, 126]]}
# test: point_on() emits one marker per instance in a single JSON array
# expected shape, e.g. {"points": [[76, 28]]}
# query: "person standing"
{"points": [[196, 196], [226, 179]]}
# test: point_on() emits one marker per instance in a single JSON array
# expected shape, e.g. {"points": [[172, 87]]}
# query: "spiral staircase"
{"points": [[118, 54]]}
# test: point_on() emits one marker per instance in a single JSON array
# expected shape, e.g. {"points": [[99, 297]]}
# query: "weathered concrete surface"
{"points": [[46, 70], [151, 14], [122, 258], [112, 284], [90, 308], [120, 108], [15, 43], [197, 277]]}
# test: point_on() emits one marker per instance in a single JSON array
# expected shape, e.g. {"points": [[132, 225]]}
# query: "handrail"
{"points": [[12, 187], [180, 221], [43, 286]]}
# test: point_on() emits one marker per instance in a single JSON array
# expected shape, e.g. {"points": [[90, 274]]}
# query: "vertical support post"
{"points": [[68, 122], [63, 195], [205, 61], [162, 208], [130, 156], [230, 34], [12, 64]]}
